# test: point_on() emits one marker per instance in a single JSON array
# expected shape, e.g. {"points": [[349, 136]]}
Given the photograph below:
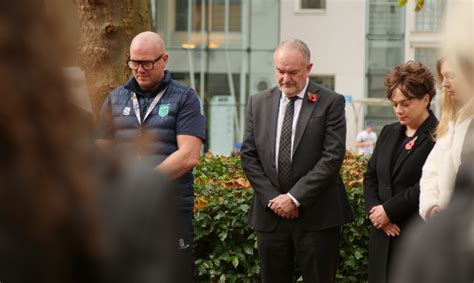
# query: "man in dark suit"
{"points": [[293, 148]]}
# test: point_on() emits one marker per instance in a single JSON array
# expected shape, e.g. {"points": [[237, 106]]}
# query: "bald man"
{"points": [[160, 120]]}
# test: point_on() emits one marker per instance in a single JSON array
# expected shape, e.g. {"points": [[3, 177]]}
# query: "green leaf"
{"points": [[248, 250], [235, 261]]}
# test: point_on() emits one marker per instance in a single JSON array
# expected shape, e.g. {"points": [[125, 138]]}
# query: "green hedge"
{"points": [[226, 247]]}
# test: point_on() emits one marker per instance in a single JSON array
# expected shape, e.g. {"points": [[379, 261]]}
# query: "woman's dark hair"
{"points": [[413, 79]]}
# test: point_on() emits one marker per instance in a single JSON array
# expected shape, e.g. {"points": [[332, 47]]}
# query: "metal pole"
{"points": [[229, 71], [190, 40], [203, 53], [245, 23]]}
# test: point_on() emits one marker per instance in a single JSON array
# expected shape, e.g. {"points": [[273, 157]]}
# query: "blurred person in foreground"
{"points": [[391, 182], [441, 167], [365, 140], [443, 249], [168, 113], [66, 213]]}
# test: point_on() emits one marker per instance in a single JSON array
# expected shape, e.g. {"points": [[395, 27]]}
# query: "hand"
{"points": [[283, 206], [433, 211], [378, 217], [292, 214], [392, 230]]}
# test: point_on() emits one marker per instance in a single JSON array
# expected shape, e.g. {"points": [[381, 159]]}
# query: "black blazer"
{"points": [[318, 152], [396, 188]]}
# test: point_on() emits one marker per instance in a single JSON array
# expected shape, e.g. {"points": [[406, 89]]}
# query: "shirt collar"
{"points": [[301, 93], [132, 85]]}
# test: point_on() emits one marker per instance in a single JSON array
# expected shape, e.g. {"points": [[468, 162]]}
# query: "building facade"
{"points": [[223, 48]]}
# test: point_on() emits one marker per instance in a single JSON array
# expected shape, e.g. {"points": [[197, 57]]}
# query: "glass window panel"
{"points": [[385, 50], [384, 54], [429, 19], [313, 4], [428, 57], [385, 18], [326, 81], [218, 15], [376, 85]]}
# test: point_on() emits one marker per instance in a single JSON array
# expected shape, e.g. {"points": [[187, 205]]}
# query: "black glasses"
{"points": [[147, 65]]}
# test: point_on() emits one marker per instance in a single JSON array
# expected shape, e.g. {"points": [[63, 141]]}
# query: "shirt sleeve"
{"points": [[295, 201], [429, 190], [104, 127], [190, 120]]}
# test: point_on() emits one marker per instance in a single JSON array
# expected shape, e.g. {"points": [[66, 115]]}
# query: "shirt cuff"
{"points": [[296, 202]]}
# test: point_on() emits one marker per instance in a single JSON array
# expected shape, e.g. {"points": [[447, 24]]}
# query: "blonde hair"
{"points": [[448, 107], [458, 50]]}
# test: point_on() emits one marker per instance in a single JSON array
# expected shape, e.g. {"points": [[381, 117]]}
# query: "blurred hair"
{"points": [[448, 107], [413, 79], [299, 45], [459, 46], [46, 184], [439, 64]]}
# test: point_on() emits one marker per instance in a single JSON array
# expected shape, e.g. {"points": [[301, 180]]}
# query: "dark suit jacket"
{"points": [[318, 152], [396, 188]]}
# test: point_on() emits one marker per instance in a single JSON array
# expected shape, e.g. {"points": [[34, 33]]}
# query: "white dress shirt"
{"points": [[281, 115]]}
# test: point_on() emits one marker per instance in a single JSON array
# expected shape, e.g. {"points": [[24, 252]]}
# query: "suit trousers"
{"points": [[289, 249]]}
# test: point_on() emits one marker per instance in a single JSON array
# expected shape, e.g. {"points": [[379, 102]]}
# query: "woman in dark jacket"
{"points": [[391, 182]]}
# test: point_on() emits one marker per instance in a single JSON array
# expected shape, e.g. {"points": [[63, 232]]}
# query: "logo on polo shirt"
{"points": [[126, 111], [163, 110]]}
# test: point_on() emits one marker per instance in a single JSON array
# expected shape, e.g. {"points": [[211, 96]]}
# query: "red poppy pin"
{"points": [[409, 145], [313, 97]]}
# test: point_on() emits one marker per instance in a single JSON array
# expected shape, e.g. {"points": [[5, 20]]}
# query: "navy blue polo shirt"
{"points": [[178, 112]]}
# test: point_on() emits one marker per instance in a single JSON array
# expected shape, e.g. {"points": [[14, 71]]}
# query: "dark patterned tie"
{"points": [[284, 151]]}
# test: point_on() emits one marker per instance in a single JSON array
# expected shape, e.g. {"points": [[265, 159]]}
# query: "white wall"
{"points": [[336, 37]]}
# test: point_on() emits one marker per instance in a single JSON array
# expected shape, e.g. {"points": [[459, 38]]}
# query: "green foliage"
{"points": [[355, 235], [226, 247], [418, 7]]}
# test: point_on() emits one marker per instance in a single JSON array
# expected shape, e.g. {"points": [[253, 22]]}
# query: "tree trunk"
{"points": [[107, 27]]}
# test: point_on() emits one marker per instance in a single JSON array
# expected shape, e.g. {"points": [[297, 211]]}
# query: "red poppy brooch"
{"points": [[409, 145], [313, 97]]}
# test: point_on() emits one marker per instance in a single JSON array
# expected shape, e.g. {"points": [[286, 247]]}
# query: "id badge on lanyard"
{"points": [[136, 108]]}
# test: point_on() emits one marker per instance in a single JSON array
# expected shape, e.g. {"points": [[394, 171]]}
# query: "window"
{"points": [[385, 49], [429, 19], [313, 4], [325, 81], [385, 18], [215, 16], [428, 57], [215, 84], [384, 54]]}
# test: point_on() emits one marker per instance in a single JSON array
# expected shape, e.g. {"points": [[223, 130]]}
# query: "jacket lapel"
{"points": [[273, 103], [389, 146], [307, 108], [423, 133]]}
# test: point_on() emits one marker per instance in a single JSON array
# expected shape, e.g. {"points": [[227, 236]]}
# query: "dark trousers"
{"points": [[184, 271], [315, 254]]}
